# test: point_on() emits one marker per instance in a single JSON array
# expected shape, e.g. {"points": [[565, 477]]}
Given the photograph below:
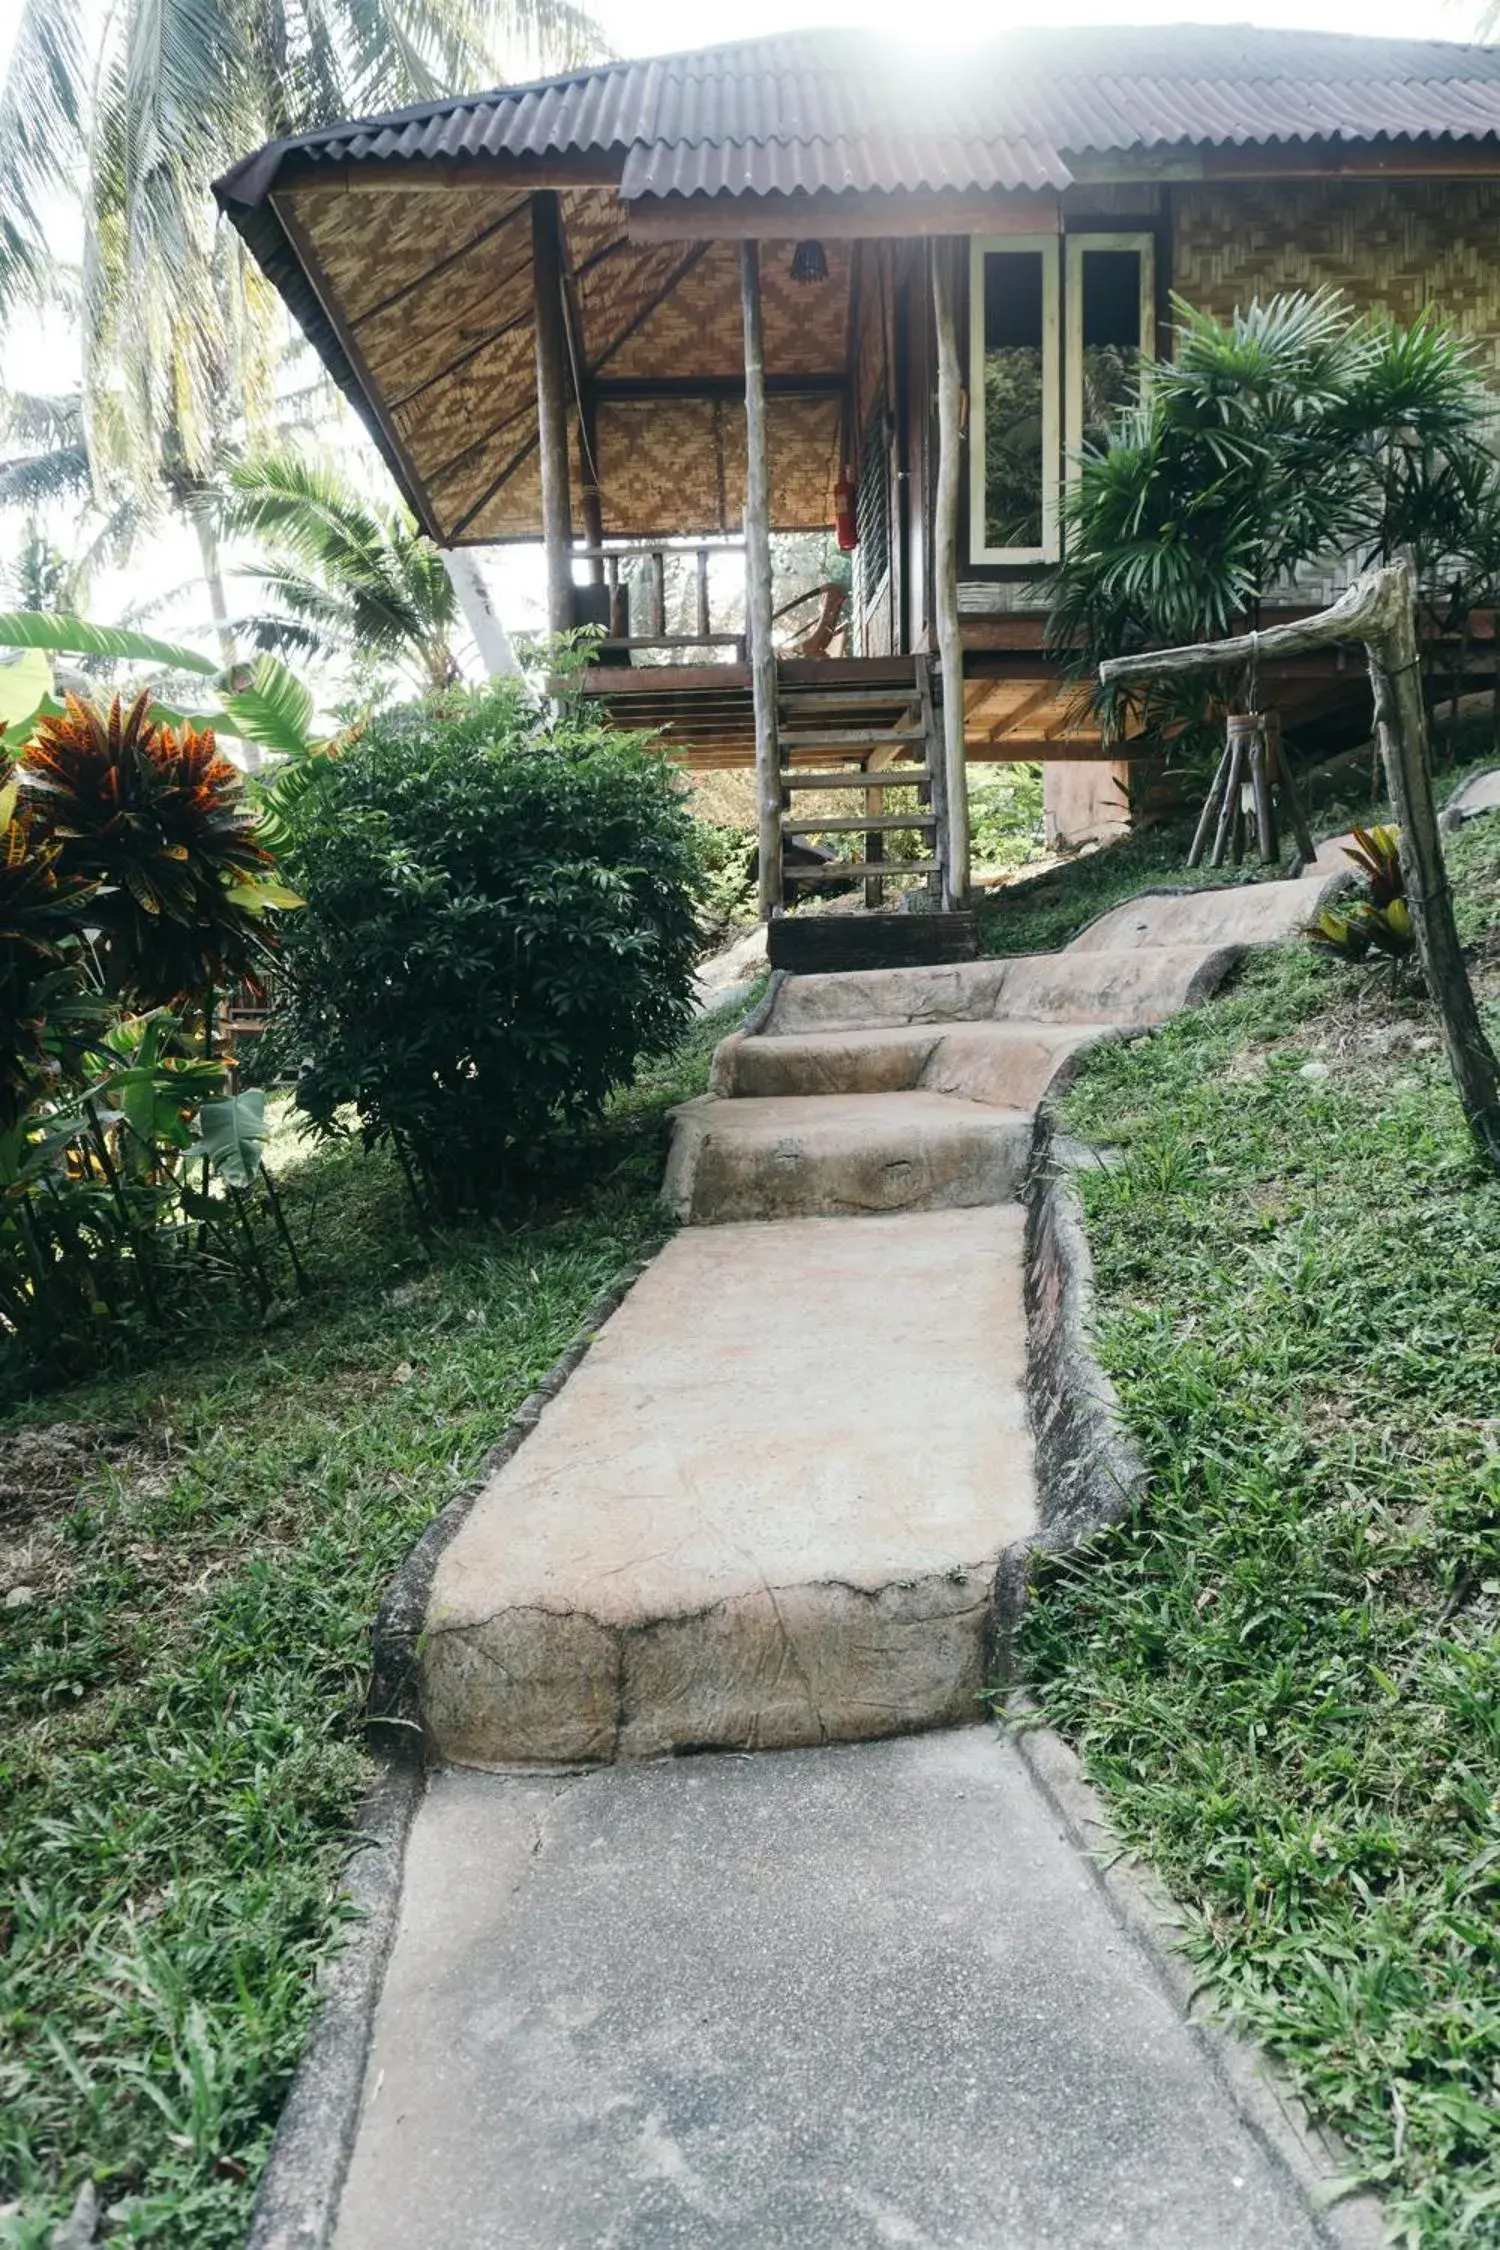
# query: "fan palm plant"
{"points": [[1297, 434], [347, 578]]}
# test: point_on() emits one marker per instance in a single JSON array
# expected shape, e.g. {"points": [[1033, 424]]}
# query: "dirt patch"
{"points": [[44, 1466]]}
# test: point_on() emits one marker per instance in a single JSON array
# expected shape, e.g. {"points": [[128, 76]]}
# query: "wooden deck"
{"points": [[1018, 708]]}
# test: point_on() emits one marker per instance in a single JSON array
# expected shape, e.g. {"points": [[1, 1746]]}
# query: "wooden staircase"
{"points": [[865, 738]]}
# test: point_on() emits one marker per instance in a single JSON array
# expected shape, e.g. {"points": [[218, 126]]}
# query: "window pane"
{"points": [[1013, 398], [1111, 337]]}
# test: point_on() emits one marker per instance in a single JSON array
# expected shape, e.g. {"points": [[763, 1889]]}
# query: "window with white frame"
{"points": [[1058, 328]]}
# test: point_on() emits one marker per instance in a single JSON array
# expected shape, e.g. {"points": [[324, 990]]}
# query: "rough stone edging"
{"points": [[1456, 812], [393, 1724], [1088, 1471], [1314, 2158], [296, 2203]]}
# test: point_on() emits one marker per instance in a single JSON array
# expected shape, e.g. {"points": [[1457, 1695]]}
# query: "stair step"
{"points": [[849, 738], [842, 1155], [860, 825], [884, 777], [855, 870]]}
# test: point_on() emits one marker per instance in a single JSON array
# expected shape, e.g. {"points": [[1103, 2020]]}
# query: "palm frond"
{"points": [[42, 110]]}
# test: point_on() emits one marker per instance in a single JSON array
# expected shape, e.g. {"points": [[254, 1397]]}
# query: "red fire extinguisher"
{"points": [[843, 513]]}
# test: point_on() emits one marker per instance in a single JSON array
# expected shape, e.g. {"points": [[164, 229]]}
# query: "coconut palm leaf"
{"points": [[270, 707], [74, 636], [42, 111], [362, 578]]}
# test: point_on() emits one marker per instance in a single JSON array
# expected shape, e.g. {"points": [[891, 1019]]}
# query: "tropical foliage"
{"points": [[499, 921], [346, 578], [129, 113], [1376, 918], [1293, 437], [134, 884]]}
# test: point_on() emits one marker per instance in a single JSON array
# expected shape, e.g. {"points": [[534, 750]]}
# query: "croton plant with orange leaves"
{"points": [[156, 820]]}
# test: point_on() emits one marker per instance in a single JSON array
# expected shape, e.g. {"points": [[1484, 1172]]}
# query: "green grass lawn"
{"points": [[1284, 1671], [204, 1542]]}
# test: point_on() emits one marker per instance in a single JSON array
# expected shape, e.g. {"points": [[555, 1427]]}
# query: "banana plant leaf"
{"points": [[232, 1134]]}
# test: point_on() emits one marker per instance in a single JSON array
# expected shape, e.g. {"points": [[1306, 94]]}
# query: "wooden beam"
{"points": [[945, 576], [758, 589], [626, 389], [841, 217], [552, 406]]}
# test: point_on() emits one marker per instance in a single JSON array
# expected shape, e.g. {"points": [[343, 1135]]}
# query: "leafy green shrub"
{"points": [[499, 921], [1005, 817], [728, 858]]}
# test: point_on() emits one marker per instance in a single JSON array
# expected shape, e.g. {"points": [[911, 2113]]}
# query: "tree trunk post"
{"points": [[590, 498], [552, 406], [1380, 611], [758, 587], [945, 576], [480, 615]]}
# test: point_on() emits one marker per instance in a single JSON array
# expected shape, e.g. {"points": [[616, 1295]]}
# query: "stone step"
{"points": [[841, 1155], [1008, 1064], [771, 1507], [1129, 988]]}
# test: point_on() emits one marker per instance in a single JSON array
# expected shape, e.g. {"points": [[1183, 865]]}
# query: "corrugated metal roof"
{"points": [[823, 110]]}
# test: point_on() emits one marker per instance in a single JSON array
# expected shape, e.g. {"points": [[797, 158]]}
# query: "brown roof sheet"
{"points": [[420, 303], [821, 110]]}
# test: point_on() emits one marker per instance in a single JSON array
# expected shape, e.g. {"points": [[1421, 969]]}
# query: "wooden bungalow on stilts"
{"points": [[681, 305]]}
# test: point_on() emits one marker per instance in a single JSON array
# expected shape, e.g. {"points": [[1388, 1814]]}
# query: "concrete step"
{"points": [[841, 1155], [770, 1508], [1008, 1064], [1128, 988]]}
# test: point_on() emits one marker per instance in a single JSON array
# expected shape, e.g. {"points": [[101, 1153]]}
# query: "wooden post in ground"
{"points": [[945, 575], [590, 499], [1381, 611], [552, 406], [758, 587]]}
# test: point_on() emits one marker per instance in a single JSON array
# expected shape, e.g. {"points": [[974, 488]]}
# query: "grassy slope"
{"points": [[1285, 1671], [1035, 914], [207, 1541]]}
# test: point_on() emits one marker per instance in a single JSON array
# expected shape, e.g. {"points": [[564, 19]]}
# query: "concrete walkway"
{"points": [[854, 1999], [781, 1500], [835, 1997]]}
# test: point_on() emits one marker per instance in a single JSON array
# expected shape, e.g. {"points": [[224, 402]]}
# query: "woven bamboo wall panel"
{"points": [[678, 465], [371, 245], [434, 289], [1398, 244], [699, 330]]}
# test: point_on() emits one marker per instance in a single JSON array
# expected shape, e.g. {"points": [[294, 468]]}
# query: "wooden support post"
{"points": [[658, 593], [1381, 610], [552, 406], [590, 499], [945, 577], [874, 846], [705, 626], [758, 587]]}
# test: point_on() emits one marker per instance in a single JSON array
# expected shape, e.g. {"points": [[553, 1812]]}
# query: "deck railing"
{"points": [[701, 634]]}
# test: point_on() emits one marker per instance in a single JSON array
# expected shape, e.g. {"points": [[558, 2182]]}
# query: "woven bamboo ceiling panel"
{"points": [[431, 291]]}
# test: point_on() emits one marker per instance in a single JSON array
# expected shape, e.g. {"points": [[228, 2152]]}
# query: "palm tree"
{"points": [[135, 121], [46, 463], [347, 578]]}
